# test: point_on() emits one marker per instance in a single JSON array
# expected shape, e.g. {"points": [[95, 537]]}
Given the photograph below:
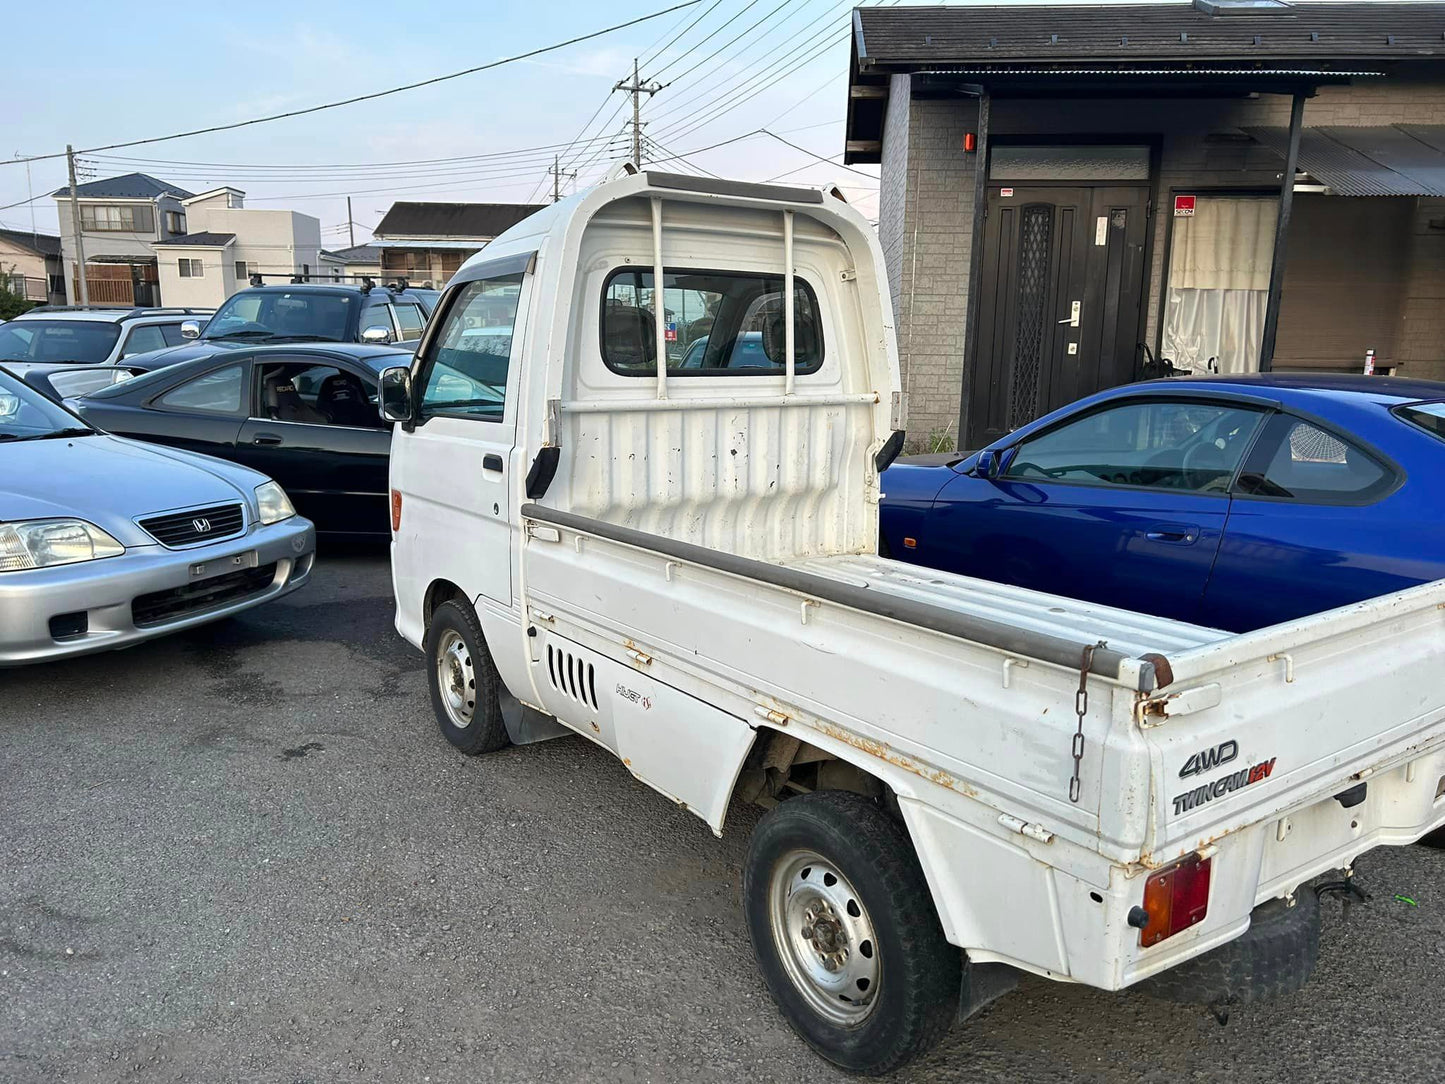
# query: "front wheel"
{"points": [[845, 932], [466, 689]]}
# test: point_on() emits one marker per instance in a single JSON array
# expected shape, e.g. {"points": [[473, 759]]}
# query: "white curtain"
{"points": [[1219, 285]]}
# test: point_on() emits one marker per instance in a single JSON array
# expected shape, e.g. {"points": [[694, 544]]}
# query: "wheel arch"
{"points": [[437, 592]]}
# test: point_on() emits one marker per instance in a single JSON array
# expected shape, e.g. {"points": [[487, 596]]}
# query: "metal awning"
{"points": [[1397, 160], [439, 243], [140, 261]]}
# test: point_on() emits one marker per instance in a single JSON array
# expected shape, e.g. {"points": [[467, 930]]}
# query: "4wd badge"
{"points": [[1210, 759]]}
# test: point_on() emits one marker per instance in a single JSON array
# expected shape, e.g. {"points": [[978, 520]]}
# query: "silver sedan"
{"points": [[105, 542]]}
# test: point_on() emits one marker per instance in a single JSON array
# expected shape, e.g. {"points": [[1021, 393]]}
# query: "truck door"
{"points": [[452, 468]]}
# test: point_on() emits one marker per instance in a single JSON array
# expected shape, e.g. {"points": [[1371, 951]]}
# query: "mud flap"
{"points": [[983, 984], [528, 725]]}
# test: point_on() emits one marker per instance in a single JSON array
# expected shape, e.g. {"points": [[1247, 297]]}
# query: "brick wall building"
{"points": [[1099, 119]]}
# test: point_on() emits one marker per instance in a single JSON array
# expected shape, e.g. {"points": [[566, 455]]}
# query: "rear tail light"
{"points": [[1175, 899], [395, 510]]}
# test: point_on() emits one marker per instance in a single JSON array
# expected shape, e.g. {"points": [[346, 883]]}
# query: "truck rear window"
{"points": [[1428, 416], [718, 323]]}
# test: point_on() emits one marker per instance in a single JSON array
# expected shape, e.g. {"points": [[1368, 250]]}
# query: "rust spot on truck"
{"points": [[884, 751]]}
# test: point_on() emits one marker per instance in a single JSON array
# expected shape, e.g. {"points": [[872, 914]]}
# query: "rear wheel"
{"points": [[845, 932], [466, 690]]}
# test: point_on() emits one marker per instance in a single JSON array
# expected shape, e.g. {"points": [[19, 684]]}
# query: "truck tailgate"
{"points": [[1273, 723]]}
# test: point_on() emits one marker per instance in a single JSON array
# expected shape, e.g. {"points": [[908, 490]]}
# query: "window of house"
{"points": [[466, 373], [737, 315], [176, 221], [191, 269], [305, 272], [1296, 460], [217, 392], [1169, 444], [57, 284], [105, 218], [242, 271], [1218, 289]]}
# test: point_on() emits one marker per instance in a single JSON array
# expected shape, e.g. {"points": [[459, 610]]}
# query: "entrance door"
{"points": [[1059, 303]]}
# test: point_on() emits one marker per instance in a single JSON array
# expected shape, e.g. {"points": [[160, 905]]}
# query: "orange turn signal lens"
{"points": [[1175, 899], [395, 510]]}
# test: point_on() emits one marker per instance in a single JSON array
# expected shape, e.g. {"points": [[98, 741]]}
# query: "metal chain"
{"points": [[1081, 708]]}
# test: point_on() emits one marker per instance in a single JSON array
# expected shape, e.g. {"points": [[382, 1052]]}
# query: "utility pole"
{"points": [[637, 88], [75, 224], [350, 225], [557, 175]]}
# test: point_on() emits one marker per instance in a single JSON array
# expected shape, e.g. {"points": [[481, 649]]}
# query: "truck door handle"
{"points": [[492, 462], [265, 438], [1178, 534]]}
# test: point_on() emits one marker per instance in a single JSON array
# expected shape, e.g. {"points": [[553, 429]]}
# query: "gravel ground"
{"points": [[245, 854]]}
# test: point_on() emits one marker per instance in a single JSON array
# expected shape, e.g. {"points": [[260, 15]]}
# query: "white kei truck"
{"points": [[602, 527]]}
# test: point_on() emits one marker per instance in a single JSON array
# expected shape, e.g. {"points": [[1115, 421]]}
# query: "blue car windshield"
{"points": [[58, 340], [25, 414], [1428, 416], [284, 315]]}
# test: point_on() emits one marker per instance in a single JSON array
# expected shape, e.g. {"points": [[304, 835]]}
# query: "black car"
{"points": [[301, 312], [305, 414]]}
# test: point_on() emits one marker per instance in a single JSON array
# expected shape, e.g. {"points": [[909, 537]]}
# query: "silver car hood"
{"points": [[111, 481]]}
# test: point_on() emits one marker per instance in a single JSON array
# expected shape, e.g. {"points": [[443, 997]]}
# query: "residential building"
{"points": [[351, 264], [228, 242], [120, 217], [1235, 185], [425, 243], [30, 266]]}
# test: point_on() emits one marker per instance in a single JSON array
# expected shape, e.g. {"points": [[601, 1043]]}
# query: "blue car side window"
{"points": [[1296, 460], [1189, 445]]}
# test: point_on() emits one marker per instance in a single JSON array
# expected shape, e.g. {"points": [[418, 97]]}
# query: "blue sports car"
{"points": [[1233, 501]]}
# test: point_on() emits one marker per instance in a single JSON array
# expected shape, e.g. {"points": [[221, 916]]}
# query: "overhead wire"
{"points": [[370, 96]]}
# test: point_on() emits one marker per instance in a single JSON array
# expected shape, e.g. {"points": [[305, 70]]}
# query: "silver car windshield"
{"points": [[25, 414], [57, 340]]}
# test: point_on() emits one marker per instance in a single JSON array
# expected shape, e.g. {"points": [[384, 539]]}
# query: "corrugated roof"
{"points": [[480, 221], [126, 186], [358, 254], [911, 36], [1404, 160], [44, 243], [205, 239]]}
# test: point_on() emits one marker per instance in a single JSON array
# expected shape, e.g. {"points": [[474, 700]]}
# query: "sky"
{"points": [[728, 67]]}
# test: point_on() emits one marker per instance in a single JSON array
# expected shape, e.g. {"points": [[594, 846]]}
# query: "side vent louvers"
{"points": [[572, 676]]}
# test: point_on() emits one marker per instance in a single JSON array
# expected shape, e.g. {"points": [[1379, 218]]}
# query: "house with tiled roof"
{"points": [[119, 219], [30, 266]]}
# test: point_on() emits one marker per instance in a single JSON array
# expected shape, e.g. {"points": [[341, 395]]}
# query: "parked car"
{"points": [[105, 542], [62, 381], [1234, 502], [747, 353], [304, 312], [90, 334], [304, 414], [965, 780]]}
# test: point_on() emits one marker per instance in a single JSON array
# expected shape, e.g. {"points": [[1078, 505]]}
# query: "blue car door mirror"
{"points": [[989, 465]]}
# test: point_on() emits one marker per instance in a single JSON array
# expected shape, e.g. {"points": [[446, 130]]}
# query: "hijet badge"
{"points": [[1207, 792]]}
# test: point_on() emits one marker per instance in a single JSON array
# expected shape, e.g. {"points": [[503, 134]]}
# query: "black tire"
{"points": [[1434, 839], [1274, 957], [910, 1009], [485, 732]]}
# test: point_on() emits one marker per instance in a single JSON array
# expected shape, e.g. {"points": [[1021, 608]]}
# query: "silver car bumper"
{"points": [[148, 591]]}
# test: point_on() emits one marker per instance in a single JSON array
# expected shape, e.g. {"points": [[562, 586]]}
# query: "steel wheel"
{"points": [[824, 937], [456, 679]]}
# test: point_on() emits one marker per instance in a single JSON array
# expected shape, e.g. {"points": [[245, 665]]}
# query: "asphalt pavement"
{"points": [[244, 853]]}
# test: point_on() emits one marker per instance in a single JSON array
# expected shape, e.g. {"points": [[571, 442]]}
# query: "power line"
{"points": [[819, 157], [376, 94], [689, 26], [730, 44], [711, 34]]}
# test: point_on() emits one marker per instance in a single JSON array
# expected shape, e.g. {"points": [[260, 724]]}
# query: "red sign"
{"points": [[1184, 206], [1005, 192]]}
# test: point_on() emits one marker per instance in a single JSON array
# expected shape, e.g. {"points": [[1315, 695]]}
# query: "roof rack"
{"points": [[124, 312]]}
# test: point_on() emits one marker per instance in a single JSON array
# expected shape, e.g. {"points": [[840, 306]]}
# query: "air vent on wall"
{"points": [[572, 677]]}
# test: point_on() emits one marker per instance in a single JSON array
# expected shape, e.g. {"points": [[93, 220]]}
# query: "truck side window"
{"points": [[718, 323], [466, 372]]}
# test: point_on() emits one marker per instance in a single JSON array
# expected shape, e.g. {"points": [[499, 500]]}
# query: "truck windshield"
{"points": [[58, 340], [25, 414], [284, 315]]}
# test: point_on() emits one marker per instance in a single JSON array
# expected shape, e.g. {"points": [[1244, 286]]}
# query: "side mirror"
{"points": [[190, 329], [393, 393], [376, 334], [989, 464]]}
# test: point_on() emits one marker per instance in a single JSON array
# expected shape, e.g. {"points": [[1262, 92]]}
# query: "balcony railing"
{"points": [[27, 286]]}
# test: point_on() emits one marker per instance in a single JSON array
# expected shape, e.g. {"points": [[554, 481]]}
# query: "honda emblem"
{"points": [[201, 524]]}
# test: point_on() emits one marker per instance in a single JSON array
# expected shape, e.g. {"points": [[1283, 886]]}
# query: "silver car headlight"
{"points": [[43, 543], [272, 503]]}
